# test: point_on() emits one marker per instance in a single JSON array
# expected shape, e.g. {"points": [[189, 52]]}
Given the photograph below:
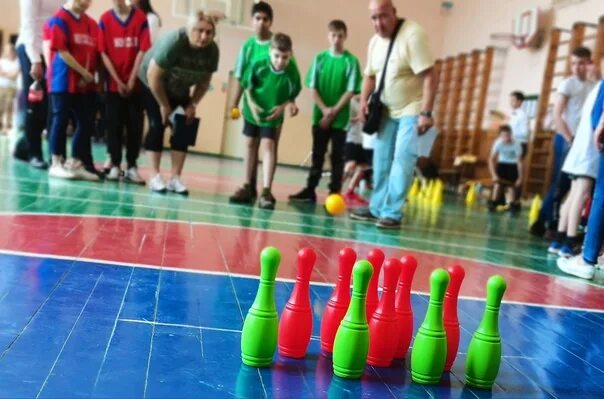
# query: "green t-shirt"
{"points": [[185, 66], [269, 89], [332, 75], [252, 50]]}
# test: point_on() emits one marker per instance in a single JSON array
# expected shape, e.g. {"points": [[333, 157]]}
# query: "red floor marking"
{"points": [[221, 248]]}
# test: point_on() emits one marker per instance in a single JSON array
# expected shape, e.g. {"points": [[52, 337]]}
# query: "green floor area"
{"points": [[452, 230]]}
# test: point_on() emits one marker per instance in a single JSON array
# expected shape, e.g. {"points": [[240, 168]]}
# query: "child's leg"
{"points": [[268, 161], [134, 129], [582, 187], [115, 113], [58, 127], [496, 192], [250, 160], [338, 142], [565, 210], [320, 140], [356, 177], [349, 170]]}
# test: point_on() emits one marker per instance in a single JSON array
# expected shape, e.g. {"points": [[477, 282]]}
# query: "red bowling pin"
{"points": [[404, 311], [295, 326], [376, 258], [338, 303], [450, 313], [383, 325]]}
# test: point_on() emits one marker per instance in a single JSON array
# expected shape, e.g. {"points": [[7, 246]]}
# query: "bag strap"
{"points": [[399, 24]]}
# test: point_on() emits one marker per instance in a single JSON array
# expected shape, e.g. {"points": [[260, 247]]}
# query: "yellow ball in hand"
{"points": [[335, 204], [235, 113]]}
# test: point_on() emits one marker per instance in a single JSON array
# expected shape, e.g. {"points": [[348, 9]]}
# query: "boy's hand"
{"points": [[329, 112], [122, 89], [277, 113], [293, 110], [326, 122], [131, 85], [87, 77], [518, 183]]}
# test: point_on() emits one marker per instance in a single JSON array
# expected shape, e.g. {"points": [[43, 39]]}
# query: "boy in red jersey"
{"points": [[71, 85], [123, 40]]}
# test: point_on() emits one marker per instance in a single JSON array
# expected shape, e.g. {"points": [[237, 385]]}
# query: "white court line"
{"points": [[54, 364], [94, 186], [91, 216], [252, 277]]}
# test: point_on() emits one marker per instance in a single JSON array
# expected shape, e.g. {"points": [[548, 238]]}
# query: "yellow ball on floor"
{"points": [[335, 204], [235, 113]]}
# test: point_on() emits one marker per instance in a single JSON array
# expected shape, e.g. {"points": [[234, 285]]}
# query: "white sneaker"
{"points": [[577, 267], [59, 171], [175, 185], [80, 172], [114, 174], [132, 176], [157, 184]]}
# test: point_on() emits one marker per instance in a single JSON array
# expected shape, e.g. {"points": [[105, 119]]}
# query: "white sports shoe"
{"points": [[132, 176], [175, 185], [577, 267], [114, 174], [60, 171], [157, 184], [78, 170]]}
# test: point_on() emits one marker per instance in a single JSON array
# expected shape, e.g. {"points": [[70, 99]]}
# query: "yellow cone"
{"points": [[414, 191], [534, 211], [437, 196], [471, 196]]}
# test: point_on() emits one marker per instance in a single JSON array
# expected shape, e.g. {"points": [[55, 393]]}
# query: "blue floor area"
{"points": [[85, 330]]}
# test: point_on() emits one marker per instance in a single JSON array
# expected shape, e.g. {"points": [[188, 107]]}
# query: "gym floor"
{"points": [[110, 291]]}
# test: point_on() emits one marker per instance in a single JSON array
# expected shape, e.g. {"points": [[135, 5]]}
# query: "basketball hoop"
{"points": [[525, 31], [518, 41]]}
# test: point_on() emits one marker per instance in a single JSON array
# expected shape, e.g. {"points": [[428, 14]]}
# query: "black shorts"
{"points": [[507, 172], [253, 131], [356, 153]]}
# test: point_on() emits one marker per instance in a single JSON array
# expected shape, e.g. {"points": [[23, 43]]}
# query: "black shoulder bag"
{"points": [[375, 106]]}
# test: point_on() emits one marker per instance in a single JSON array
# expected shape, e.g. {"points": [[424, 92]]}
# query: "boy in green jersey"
{"points": [[270, 84], [334, 78]]}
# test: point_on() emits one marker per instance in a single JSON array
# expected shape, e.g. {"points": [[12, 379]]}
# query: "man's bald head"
{"points": [[383, 17]]}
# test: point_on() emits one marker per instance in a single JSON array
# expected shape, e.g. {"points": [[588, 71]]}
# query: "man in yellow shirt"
{"points": [[408, 97]]}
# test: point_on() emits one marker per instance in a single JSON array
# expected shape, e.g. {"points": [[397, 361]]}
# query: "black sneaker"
{"points": [[243, 195], [537, 229], [363, 214], [492, 206], [267, 201], [388, 224], [38, 163], [305, 195], [515, 208]]}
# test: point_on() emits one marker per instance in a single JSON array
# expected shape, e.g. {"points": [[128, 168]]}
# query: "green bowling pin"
{"points": [[484, 352], [260, 328], [429, 351], [351, 345]]}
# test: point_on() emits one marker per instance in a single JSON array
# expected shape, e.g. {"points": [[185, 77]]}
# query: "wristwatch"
{"points": [[427, 114]]}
